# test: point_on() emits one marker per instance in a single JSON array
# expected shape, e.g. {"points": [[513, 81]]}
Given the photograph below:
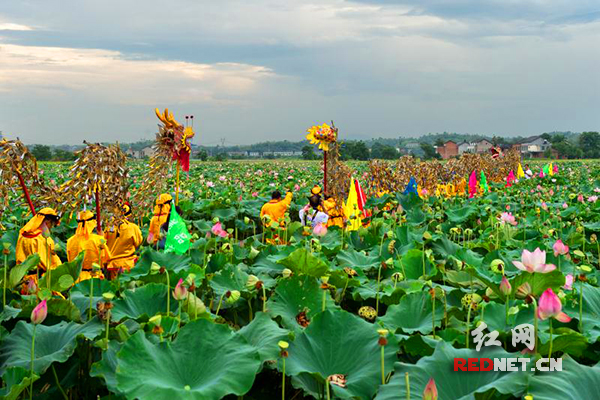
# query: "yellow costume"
{"points": [[162, 209], [91, 243], [336, 214], [122, 241], [31, 240], [276, 209]]}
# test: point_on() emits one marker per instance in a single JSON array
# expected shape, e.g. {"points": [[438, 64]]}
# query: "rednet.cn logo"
{"points": [[523, 333]]}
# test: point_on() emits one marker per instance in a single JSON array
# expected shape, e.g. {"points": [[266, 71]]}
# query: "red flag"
{"points": [[362, 199]]}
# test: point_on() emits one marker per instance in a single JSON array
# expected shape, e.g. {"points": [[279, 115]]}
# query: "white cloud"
{"points": [[7, 26], [108, 75]]}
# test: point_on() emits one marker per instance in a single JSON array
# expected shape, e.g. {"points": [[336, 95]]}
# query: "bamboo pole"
{"points": [[26, 192], [98, 217], [177, 185]]}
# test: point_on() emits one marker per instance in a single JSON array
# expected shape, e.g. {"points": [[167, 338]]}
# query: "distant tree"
{"points": [[547, 137], [63, 155], [308, 153], [221, 157], [202, 155], [429, 151], [439, 142], [383, 151], [360, 151], [556, 138], [41, 152], [589, 142], [346, 150], [566, 149]]}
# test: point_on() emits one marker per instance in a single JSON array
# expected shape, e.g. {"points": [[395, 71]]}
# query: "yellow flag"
{"points": [[351, 209], [520, 172], [551, 170]]}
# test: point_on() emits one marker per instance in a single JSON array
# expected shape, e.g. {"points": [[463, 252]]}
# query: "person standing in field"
{"points": [[34, 238], [94, 245], [311, 215], [162, 209], [274, 210], [123, 239]]}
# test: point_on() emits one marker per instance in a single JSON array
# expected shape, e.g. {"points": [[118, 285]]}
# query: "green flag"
{"points": [[546, 169], [178, 237], [483, 183]]}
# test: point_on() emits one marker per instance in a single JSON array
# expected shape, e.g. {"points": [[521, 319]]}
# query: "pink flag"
{"points": [[472, 185], [541, 173], [510, 179], [555, 168]]}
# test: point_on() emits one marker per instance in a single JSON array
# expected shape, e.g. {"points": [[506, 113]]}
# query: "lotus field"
{"points": [[381, 312]]}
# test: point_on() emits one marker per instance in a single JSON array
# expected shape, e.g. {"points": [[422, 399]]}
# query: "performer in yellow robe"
{"points": [[336, 214], [93, 244], [162, 209], [276, 208], [34, 238], [122, 240]]}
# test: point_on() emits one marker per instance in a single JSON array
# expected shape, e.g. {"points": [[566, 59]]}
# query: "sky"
{"points": [[258, 70]]}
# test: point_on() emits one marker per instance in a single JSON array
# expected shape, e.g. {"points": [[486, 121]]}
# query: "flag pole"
{"points": [[98, 217], [324, 172], [25, 192], [177, 185]]}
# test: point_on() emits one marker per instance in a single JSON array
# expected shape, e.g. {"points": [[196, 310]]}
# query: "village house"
{"points": [[466, 147], [483, 146], [448, 150], [533, 147]]}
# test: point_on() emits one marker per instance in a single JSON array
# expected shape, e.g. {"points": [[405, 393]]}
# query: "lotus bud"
{"points": [[253, 253], [252, 281], [505, 286], [430, 392], [397, 276], [427, 235], [39, 313], [234, 296], [180, 291], [524, 290], [286, 273], [190, 279], [154, 268], [497, 266], [108, 296], [246, 220], [156, 320]]}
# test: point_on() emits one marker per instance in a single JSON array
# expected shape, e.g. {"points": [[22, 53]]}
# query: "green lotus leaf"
{"points": [[16, 380], [107, 367], [9, 312], [301, 261], [539, 282], [337, 342], [17, 273], [455, 385], [414, 313], [574, 382], [232, 277], [357, 260], [460, 215], [590, 311], [297, 294], [55, 343], [172, 262], [264, 334], [205, 361], [143, 302], [57, 282], [57, 307]]}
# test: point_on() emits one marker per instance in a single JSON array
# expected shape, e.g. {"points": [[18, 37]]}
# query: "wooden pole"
{"points": [[324, 172], [98, 217], [177, 185], [26, 192]]}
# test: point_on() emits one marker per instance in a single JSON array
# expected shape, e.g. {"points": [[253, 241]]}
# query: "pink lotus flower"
{"points": [[560, 248], [320, 230], [568, 282], [222, 178], [254, 194], [505, 286], [39, 313], [534, 262], [296, 187], [544, 206], [580, 198], [592, 199], [550, 306], [180, 291], [430, 392], [565, 205], [210, 184], [218, 230], [150, 237], [31, 286], [508, 218]]}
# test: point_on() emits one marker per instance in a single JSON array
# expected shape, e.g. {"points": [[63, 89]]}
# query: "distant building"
{"points": [[413, 148], [146, 152], [466, 147], [533, 147], [253, 154], [483, 146], [237, 154], [448, 150]]}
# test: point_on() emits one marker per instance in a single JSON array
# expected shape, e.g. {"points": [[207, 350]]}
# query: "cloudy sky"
{"points": [[259, 70]]}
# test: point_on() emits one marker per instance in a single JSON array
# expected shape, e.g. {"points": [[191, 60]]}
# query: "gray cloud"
{"points": [[269, 69]]}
